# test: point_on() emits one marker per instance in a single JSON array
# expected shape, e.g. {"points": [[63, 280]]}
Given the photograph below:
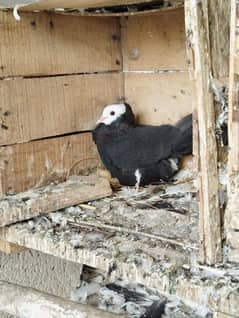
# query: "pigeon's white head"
{"points": [[111, 113]]}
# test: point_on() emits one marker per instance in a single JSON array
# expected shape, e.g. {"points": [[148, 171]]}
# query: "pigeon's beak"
{"points": [[101, 120]]}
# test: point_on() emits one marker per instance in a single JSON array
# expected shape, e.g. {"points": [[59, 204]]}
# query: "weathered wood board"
{"points": [[232, 211], [38, 163], [154, 42], [47, 43], [197, 21], [49, 4], [27, 302], [29, 204], [42, 107], [159, 98]]}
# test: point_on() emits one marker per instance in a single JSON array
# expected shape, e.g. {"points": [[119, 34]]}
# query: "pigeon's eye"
{"points": [[112, 113]]}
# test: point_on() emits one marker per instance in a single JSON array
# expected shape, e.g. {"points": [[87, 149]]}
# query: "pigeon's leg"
{"points": [[138, 176]]}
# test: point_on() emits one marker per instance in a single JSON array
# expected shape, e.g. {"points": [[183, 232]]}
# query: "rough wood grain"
{"points": [[210, 224], [154, 42], [232, 211], [9, 248], [75, 190], [159, 98], [48, 43], [38, 163], [27, 302], [219, 17], [43, 107]]}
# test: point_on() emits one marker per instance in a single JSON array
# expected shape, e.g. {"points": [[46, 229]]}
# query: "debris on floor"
{"points": [[134, 300]]}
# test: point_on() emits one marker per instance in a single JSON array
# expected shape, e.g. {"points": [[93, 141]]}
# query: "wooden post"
{"points": [[232, 211], [197, 31]]}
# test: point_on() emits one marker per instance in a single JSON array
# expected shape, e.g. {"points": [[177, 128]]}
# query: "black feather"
{"points": [[156, 310]]}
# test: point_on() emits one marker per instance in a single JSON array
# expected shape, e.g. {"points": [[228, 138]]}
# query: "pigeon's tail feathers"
{"points": [[185, 123], [184, 143]]}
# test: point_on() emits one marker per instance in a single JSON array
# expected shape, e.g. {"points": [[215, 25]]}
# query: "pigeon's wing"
{"points": [[141, 146]]}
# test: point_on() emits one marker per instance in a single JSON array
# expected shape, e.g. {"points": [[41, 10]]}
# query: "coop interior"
{"points": [[58, 70]]}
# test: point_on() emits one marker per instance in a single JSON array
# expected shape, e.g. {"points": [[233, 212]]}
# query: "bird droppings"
{"points": [[132, 299]]}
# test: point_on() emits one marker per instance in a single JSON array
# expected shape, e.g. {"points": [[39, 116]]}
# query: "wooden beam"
{"points": [[32, 203], [232, 211], [210, 224], [49, 4], [27, 302], [49, 44]]}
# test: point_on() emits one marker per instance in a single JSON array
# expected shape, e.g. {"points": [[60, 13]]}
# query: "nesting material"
{"points": [[75, 190]]}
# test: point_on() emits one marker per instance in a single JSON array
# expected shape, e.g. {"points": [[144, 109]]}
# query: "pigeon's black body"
{"points": [[154, 151]]}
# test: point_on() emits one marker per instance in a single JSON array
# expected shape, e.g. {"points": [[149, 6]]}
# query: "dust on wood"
{"points": [[30, 303], [75, 190]]}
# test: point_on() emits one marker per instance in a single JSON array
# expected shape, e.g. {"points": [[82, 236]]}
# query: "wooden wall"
{"points": [[156, 74], [56, 74]]}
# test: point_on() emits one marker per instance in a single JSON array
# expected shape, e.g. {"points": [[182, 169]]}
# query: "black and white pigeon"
{"points": [[140, 154]]}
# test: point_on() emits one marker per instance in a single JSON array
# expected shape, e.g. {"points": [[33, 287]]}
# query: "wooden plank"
{"points": [[38, 163], [159, 98], [154, 42], [232, 211], [28, 302], [47, 43], [213, 291], [9, 248], [46, 4], [219, 12], [210, 223], [41, 107], [223, 315], [75, 190]]}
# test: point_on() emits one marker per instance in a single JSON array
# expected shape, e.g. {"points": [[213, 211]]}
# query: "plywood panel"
{"points": [[155, 42], [39, 162], [159, 98], [41, 107], [47, 43]]}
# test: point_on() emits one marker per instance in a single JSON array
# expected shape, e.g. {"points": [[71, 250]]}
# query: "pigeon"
{"points": [[140, 154]]}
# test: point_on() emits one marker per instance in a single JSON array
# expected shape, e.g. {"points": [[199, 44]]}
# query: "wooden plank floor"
{"points": [[149, 238]]}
